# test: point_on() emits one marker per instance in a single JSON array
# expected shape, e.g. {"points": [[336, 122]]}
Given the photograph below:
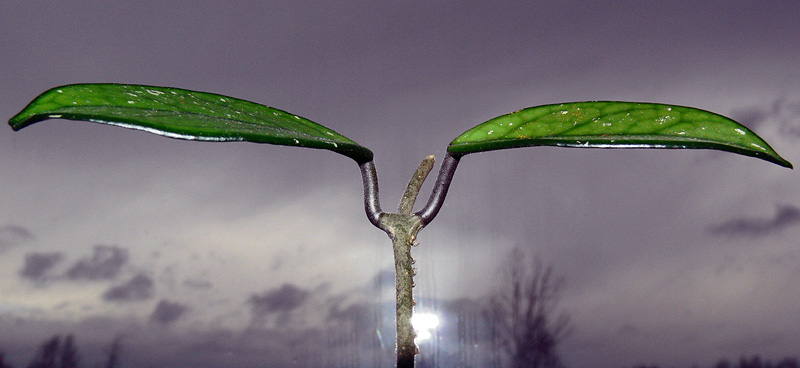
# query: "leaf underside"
{"points": [[607, 124], [184, 114]]}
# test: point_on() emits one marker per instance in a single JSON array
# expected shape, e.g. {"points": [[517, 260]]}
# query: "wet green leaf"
{"points": [[606, 124], [184, 114]]}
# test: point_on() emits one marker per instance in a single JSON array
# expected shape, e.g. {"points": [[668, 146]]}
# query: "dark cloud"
{"points": [[198, 284], [285, 299], [782, 112], [38, 264], [167, 312], [750, 117], [384, 278], [362, 319], [628, 330], [105, 264], [138, 288], [11, 235], [785, 216], [356, 314]]}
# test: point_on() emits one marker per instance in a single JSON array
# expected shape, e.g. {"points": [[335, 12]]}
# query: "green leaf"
{"points": [[183, 114], [606, 124]]}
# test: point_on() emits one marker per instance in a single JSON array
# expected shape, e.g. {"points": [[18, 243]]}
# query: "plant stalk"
{"points": [[402, 228]]}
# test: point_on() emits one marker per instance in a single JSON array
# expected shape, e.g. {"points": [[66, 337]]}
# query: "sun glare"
{"points": [[423, 323]]}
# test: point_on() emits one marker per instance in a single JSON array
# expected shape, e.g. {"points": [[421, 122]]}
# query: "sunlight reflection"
{"points": [[423, 323]]}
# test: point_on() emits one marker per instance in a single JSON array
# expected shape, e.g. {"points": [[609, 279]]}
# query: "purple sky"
{"points": [[244, 255]]}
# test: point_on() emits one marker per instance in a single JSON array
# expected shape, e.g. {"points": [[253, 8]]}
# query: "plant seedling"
{"points": [[184, 114]]}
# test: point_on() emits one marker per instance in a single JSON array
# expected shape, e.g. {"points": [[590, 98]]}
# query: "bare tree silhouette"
{"points": [[53, 353], [48, 354], [114, 351], [522, 313], [723, 363], [69, 353], [3, 363], [747, 362]]}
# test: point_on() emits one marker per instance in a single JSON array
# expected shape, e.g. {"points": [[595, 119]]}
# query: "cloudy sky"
{"points": [[244, 255]]}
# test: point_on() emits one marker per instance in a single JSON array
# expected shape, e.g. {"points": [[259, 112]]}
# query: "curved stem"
{"points": [[410, 195], [440, 188], [372, 205]]}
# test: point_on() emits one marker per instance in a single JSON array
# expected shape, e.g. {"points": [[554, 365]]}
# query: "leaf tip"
{"points": [[20, 121], [785, 163]]}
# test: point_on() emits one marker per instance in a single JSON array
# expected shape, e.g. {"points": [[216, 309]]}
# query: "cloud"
{"points": [[138, 288], [359, 316], [37, 264], [628, 330], [783, 113], [785, 216], [384, 278], [105, 264], [12, 235], [167, 312], [285, 299], [198, 284]]}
